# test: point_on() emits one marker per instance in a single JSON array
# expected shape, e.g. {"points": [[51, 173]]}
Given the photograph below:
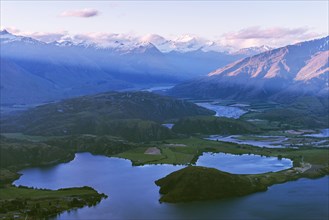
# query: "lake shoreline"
{"points": [[301, 169]]}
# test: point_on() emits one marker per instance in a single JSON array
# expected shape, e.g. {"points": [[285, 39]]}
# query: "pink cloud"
{"points": [[274, 36], [248, 37], [83, 13], [259, 33]]}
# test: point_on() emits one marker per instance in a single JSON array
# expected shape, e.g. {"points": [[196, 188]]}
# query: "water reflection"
{"points": [[267, 141], [323, 134], [223, 111], [243, 164], [133, 194]]}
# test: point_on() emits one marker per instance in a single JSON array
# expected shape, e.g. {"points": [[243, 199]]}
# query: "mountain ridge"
{"points": [[184, 43], [294, 70]]}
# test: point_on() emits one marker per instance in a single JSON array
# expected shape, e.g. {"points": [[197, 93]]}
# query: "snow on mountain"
{"points": [[188, 43], [65, 43], [250, 51], [154, 39], [125, 43], [6, 37], [184, 43]]}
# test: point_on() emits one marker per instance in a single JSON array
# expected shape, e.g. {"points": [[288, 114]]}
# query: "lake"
{"points": [[323, 134], [267, 141], [133, 194], [243, 164], [223, 111]]}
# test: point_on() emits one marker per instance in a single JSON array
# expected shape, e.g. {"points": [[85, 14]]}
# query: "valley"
{"points": [[120, 126], [180, 150]]}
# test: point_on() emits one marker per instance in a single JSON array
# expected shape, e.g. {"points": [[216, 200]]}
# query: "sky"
{"points": [[237, 23]]}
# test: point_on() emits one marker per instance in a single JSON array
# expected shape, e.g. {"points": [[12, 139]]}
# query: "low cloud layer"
{"points": [[249, 37], [49, 37], [83, 13], [260, 33], [274, 37]]}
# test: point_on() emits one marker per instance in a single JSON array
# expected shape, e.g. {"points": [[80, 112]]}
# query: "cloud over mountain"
{"points": [[274, 36], [251, 37]]}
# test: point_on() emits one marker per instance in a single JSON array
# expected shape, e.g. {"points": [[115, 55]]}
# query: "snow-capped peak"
{"points": [[64, 43], [3, 32], [154, 39], [6, 37], [250, 51], [265, 47], [125, 43]]}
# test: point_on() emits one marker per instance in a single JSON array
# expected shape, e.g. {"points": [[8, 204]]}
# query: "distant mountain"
{"points": [[6, 37], [131, 115], [183, 44], [33, 71], [125, 43], [250, 51], [279, 74]]}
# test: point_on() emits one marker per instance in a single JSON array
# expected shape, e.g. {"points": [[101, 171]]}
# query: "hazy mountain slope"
{"points": [[36, 82], [57, 70], [291, 71], [197, 63], [20, 85]]}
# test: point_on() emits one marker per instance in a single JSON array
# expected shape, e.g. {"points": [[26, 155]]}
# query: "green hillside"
{"points": [[131, 115]]}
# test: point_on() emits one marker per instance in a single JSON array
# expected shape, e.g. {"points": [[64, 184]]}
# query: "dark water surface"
{"points": [[133, 194]]}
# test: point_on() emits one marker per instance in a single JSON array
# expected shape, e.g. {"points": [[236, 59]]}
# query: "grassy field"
{"points": [[7, 176], [169, 155], [186, 150], [193, 147], [138, 157]]}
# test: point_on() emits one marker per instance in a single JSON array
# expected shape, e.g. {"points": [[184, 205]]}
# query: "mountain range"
{"points": [[125, 43], [284, 73], [33, 71]]}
